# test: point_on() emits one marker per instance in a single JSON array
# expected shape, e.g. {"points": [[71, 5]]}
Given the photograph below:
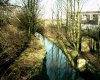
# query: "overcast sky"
{"points": [[89, 5]]}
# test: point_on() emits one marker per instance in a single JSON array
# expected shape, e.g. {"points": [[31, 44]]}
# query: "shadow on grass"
{"points": [[87, 75], [43, 75]]}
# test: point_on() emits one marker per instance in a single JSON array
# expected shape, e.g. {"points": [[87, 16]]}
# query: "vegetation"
{"points": [[93, 35], [70, 37], [29, 16], [23, 57], [19, 48]]}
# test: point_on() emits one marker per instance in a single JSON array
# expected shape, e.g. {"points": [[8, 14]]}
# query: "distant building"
{"points": [[90, 19]]}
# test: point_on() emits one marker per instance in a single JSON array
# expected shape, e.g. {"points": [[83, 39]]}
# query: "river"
{"points": [[57, 65]]}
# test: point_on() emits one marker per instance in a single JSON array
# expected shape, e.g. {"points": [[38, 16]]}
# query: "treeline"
{"points": [[68, 16], [69, 29], [94, 38]]}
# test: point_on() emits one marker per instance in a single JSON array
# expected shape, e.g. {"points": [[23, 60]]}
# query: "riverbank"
{"points": [[58, 38], [92, 61], [29, 64]]}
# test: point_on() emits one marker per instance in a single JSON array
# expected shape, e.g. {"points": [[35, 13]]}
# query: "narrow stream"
{"points": [[56, 63]]}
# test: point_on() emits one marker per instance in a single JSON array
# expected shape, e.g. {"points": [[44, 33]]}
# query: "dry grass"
{"points": [[28, 64], [12, 42]]}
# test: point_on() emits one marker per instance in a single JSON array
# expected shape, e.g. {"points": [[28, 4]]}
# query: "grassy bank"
{"points": [[61, 39], [21, 58]]}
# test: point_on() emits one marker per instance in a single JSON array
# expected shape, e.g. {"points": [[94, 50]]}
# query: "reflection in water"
{"points": [[56, 63]]}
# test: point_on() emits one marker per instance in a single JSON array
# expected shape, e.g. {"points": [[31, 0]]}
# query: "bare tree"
{"points": [[30, 13]]}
